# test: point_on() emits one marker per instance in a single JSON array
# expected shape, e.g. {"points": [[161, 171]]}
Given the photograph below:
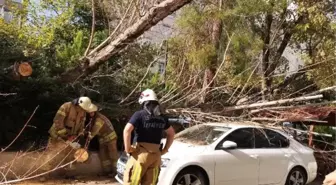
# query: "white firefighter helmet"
{"points": [[147, 95], [86, 104]]}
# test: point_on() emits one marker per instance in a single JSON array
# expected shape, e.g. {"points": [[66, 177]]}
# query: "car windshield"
{"points": [[201, 134]]}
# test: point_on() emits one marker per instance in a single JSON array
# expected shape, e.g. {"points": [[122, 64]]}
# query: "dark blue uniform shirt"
{"points": [[148, 128]]}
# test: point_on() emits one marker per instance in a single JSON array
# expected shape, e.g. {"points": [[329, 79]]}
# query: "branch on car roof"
{"points": [[283, 119], [272, 103]]}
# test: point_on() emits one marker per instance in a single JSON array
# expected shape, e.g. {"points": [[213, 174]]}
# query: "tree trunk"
{"points": [[210, 71], [283, 45], [266, 56], [90, 64], [274, 64]]}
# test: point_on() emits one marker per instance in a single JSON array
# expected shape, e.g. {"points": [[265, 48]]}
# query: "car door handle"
{"points": [[287, 155], [254, 156]]}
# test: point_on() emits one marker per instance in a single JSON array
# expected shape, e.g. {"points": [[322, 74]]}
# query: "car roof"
{"points": [[245, 124], [234, 124]]}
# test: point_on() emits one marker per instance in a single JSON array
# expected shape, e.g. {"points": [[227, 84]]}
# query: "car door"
{"points": [[271, 147], [237, 166]]}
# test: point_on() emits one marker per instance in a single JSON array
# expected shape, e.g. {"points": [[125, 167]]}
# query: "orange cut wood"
{"points": [[25, 69], [81, 155]]}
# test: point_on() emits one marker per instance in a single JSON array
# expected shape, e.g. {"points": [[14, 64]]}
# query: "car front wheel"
{"points": [[296, 177], [190, 177]]}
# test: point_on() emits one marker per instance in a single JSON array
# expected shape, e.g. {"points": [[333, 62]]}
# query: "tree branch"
{"points": [[8, 94], [144, 76], [284, 43], [92, 28], [25, 125], [94, 60], [271, 103]]}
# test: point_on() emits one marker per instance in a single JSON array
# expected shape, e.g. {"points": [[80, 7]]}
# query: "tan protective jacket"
{"points": [[68, 121], [103, 128]]}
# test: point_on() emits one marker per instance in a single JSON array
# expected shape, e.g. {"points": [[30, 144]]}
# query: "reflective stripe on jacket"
{"points": [[69, 120], [103, 128]]}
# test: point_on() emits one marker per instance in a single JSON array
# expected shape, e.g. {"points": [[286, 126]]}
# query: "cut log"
{"points": [[81, 155], [19, 70], [91, 63], [272, 103], [25, 69]]}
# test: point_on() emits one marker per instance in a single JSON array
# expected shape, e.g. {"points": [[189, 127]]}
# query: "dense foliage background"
{"points": [[221, 52]]}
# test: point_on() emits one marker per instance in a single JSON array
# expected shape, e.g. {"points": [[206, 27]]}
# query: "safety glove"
{"points": [[74, 145]]}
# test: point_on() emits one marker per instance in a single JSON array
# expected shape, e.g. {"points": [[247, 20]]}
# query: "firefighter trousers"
{"points": [[142, 167], [108, 155]]}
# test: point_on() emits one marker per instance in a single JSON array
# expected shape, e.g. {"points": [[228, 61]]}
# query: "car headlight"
{"points": [[164, 162]]}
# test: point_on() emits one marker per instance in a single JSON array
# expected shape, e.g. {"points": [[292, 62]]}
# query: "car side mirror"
{"points": [[229, 145]]}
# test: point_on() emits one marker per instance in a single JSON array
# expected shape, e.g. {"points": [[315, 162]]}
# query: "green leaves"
{"points": [[317, 33], [11, 47], [69, 53]]}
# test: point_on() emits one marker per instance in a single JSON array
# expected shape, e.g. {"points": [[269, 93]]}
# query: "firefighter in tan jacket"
{"points": [[68, 125], [107, 137], [70, 118]]}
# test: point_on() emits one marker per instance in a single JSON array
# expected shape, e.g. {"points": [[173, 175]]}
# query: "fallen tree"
{"points": [[108, 48], [272, 103]]}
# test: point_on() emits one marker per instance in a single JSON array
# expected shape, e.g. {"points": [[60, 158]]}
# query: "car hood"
{"points": [[179, 148]]}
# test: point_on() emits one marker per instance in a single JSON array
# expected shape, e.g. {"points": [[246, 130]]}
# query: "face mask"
{"points": [[153, 110], [157, 111]]}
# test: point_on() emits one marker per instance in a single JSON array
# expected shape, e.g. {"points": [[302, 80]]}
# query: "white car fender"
{"points": [[301, 160], [178, 165]]}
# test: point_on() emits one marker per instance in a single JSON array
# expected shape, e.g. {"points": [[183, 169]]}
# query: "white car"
{"points": [[234, 154]]}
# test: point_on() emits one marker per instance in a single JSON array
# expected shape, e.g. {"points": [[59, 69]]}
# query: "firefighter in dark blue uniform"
{"points": [[148, 124]]}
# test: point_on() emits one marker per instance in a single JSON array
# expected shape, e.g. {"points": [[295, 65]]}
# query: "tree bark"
{"points": [[266, 56], [90, 64], [283, 45], [211, 69], [271, 68]]}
